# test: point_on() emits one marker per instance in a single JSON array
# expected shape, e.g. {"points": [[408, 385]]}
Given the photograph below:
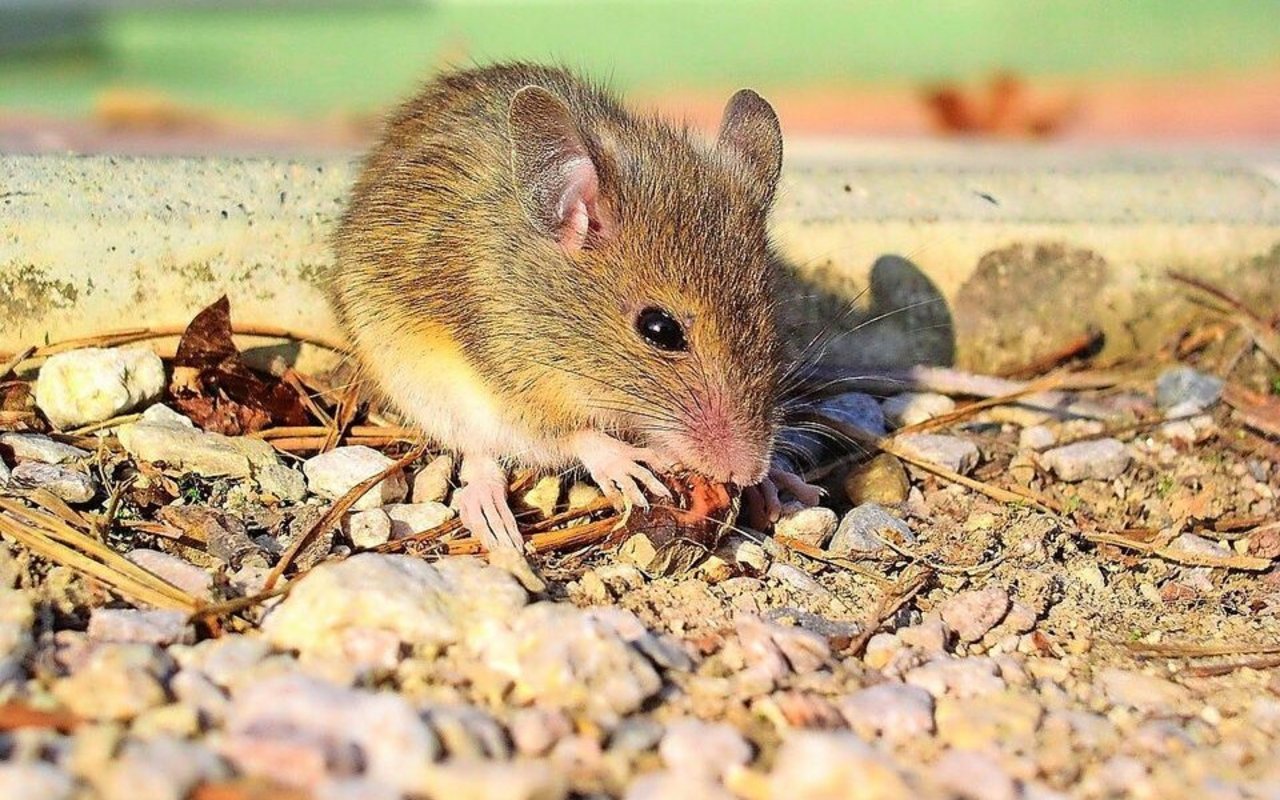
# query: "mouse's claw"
{"points": [[483, 507], [786, 480], [615, 467]]}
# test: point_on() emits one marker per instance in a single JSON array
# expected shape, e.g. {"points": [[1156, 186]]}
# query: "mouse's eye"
{"points": [[661, 330]]}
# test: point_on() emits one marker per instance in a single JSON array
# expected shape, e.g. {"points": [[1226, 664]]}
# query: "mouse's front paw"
{"points": [[616, 468], [763, 503], [482, 504]]}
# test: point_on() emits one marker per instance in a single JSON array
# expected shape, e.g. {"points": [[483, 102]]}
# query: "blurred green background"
{"points": [[312, 60]]}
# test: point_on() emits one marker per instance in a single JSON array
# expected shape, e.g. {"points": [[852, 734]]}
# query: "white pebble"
{"points": [[693, 747], [410, 518], [971, 614], [895, 712], [334, 473], [90, 385], [956, 454], [152, 626], [911, 408], [811, 525], [33, 447], [368, 528]]}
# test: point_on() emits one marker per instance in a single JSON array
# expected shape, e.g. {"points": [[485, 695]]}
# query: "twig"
{"points": [[818, 554], [1215, 670], [11, 365], [1191, 650], [114, 422], [235, 605], [885, 609], [1042, 385], [336, 510], [1247, 563], [312, 431], [886, 445], [1081, 346], [131, 335]]}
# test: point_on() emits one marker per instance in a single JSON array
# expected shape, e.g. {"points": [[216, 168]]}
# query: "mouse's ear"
{"points": [[555, 179], [750, 130]]}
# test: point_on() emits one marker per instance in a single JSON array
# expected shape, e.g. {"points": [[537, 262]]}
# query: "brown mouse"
{"points": [[536, 276]]}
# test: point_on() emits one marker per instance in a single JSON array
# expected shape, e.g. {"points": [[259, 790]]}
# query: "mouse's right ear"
{"points": [[750, 130], [555, 178]]}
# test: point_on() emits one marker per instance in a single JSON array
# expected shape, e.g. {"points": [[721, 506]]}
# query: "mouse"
{"points": [[538, 277]]}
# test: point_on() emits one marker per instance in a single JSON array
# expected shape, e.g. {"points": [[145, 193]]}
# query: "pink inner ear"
{"points": [[578, 210]]}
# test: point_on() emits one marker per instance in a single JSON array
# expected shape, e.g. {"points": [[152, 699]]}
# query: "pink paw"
{"points": [[615, 467], [482, 504]]}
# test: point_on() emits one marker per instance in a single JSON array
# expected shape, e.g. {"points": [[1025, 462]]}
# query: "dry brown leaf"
{"points": [[213, 386]]}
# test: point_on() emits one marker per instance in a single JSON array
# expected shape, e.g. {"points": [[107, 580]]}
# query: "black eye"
{"points": [[661, 330]]}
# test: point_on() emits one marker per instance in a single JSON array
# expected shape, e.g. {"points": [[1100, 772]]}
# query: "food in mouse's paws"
{"points": [[701, 512]]}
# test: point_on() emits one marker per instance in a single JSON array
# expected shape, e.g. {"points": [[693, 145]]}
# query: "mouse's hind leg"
{"points": [[482, 503]]}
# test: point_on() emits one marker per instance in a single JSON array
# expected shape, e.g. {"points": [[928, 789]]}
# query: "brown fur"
{"points": [[434, 243]]}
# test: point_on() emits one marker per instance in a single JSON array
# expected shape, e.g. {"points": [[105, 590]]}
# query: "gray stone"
{"points": [[280, 481], [895, 712], [159, 626], [636, 734], [431, 484], [1096, 459], [34, 447], [809, 524], [93, 384], [911, 408], [410, 518], [861, 530], [368, 528], [336, 472], [1194, 544], [971, 614], [1180, 385], [163, 435], [856, 409], [5, 474], [956, 454], [68, 484]]}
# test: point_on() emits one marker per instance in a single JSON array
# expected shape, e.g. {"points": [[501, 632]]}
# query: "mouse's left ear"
{"points": [[555, 178], [750, 130]]}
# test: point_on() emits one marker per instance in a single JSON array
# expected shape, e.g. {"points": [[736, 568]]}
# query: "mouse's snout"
{"points": [[721, 442]]}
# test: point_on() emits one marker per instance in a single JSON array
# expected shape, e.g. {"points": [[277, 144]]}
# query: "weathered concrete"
{"points": [[1026, 245]]}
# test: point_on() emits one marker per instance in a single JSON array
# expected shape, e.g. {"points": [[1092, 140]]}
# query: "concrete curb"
{"points": [[1027, 245]]}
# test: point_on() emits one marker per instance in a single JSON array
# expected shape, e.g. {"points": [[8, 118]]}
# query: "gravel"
{"points": [[336, 472], [862, 530]]}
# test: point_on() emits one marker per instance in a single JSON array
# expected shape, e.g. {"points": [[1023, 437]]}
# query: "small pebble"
{"points": [[93, 384], [974, 775], [862, 529], [826, 764], [5, 474], [636, 735], [957, 677], [34, 447], [543, 496], [971, 614], [809, 524], [34, 780], [67, 484], [159, 627], [1096, 459], [368, 528], [882, 480], [956, 454], [693, 747], [1180, 385], [161, 767], [163, 435], [911, 408], [181, 573], [1195, 544], [857, 409], [534, 731], [336, 472], [432, 483], [930, 636], [117, 682], [895, 712], [410, 518], [1036, 437], [1141, 691], [673, 786]]}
